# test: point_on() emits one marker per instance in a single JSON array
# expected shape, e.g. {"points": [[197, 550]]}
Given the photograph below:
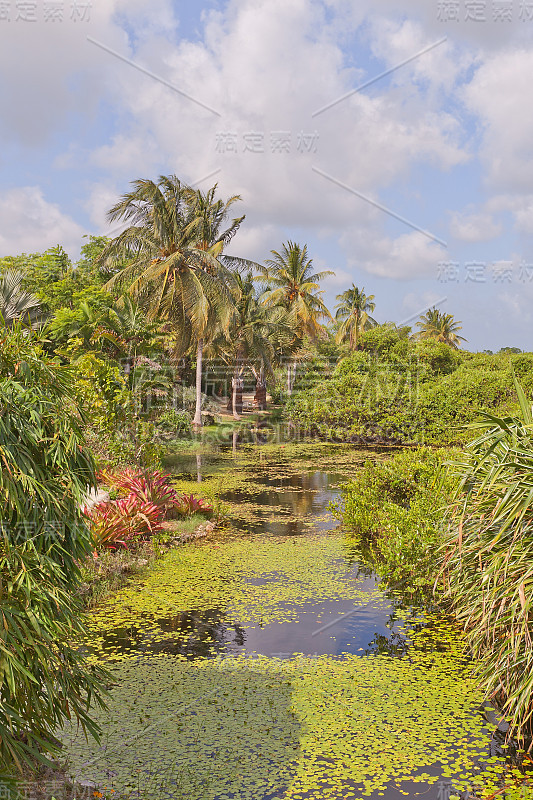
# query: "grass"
{"points": [[112, 569]]}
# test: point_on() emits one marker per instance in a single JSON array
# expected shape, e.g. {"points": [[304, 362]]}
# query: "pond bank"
{"points": [[269, 662]]}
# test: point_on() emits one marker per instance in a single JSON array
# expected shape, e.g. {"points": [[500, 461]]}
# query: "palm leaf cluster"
{"points": [[173, 270], [291, 283], [45, 470], [489, 558], [16, 304], [440, 327], [353, 315]]}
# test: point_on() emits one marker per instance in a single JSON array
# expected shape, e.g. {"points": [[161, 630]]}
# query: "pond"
{"points": [[268, 662]]}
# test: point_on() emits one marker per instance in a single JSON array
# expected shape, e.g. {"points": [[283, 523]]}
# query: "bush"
{"points": [[174, 425], [488, 558], [45, 473], [396, 507], [406, 392], [147, 499], [124, 521]]}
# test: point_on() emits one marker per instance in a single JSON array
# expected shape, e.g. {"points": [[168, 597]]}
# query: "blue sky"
{"points": [[444, 142]]}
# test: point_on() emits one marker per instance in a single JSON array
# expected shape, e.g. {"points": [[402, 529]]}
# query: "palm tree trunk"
{"points": [[291, 376], [197, 421], [260, 389], [237, 387]]}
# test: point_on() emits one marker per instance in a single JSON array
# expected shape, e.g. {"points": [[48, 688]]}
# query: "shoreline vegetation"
{"points": [[159, 341]]}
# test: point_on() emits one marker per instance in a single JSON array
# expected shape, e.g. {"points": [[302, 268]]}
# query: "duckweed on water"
{"points": [[253, 581], [252, 727], [311, 728]]}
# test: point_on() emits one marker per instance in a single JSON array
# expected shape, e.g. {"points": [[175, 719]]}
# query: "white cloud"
{"points": [[29, 223], [500, 96], [474, 227], [409, 256]]}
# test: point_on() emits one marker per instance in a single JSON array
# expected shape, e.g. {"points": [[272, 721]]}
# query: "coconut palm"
{"points": [[17, 304], [253, 340], [353, 315], [211, 237], [173, 271], [440, 327], [291, 283], [126, 332]]}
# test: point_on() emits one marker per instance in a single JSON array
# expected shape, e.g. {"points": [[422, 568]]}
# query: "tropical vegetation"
{"points": [[110, 364]]}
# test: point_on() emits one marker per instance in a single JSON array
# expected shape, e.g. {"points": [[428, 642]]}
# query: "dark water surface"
{"points": [[281, 505]]}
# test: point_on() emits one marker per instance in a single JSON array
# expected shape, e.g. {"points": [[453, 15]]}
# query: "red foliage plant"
{"points": [[148, 499], [123, 521]]}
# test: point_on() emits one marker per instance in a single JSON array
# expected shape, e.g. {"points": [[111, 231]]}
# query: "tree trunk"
{"points": [[291, 377], [237, 387], [197, 421], [261, 394], [260, 397]]}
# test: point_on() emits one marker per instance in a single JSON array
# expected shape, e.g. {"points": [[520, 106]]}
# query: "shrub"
{"points": [[174, 425], [408, 392], [488, 558], [148, 499], [189, 505], [124, 521], [43, 538], [147, 487], [396, 508]]}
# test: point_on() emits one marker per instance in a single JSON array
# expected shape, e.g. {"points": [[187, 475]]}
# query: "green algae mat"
{"points": [[368, 699]]}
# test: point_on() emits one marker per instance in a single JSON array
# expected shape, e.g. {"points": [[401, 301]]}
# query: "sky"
{"points": [[393, 137]]}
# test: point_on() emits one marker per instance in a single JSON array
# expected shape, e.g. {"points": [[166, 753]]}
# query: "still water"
{"points": [[268, 662]]}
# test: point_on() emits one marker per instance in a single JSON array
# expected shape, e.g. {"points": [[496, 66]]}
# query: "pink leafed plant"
{"points": [[122, 522], [189, 505]]}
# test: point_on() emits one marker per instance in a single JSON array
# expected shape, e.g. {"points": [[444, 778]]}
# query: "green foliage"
{"points": [[45, 473], [488, 560], [405, 391], [16, 304], [57, 283], [396, 508], [174, 424], [381, 339]]}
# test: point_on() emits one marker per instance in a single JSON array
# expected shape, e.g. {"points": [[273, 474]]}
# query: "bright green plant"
{"points": [[174, 424], [45, 472], [488, 569], [16, 304], [396, 508]]}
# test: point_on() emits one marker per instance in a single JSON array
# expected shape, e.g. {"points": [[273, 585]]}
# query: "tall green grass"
{"points": [[487, 558], [44, 473]]}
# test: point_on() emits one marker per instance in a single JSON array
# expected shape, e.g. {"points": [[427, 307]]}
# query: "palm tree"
{"points": [[172, 270], [211, 238], [16, 304], [353, 315], [292, 284], [127, 333], [251, 342], [440, 327]]}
